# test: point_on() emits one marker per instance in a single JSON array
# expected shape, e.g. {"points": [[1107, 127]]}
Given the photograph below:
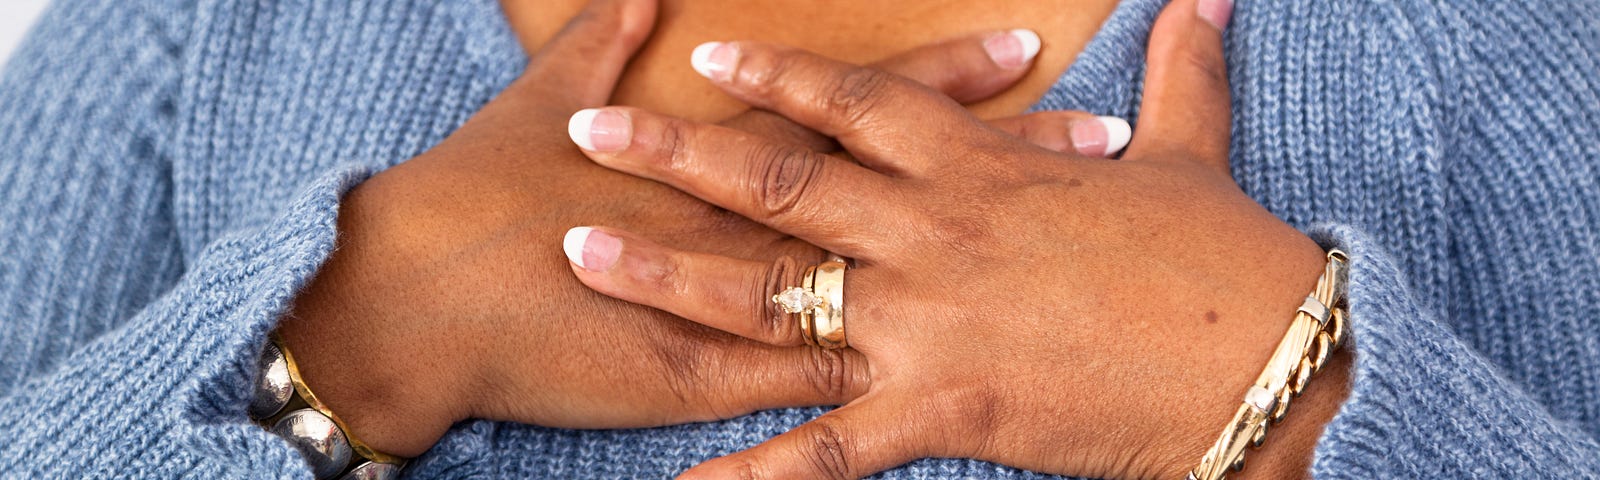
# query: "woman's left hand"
{"points": [[1052, 312]]}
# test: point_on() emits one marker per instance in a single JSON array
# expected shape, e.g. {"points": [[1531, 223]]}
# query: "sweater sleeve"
{"points": [[1423, 404], [163, 395], [119, 358], [1516, 107]]}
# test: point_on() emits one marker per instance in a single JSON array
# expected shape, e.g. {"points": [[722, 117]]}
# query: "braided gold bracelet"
{"points": [[1317, 330]]}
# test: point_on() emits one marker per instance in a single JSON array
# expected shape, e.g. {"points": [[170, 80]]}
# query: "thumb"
{"points": [[853, 441], [1186, 114], [579, 68]]}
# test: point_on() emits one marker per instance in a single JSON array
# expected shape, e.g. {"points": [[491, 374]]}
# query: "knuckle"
{"points": [[854, 93], [1209, 65], [972, 235], [825, 450], [746, 470], [828, 372], [1025, 128], [681, 358], [619, 21], [672, 152], [970, 415], [634, 24], [663, 277], [784, 173], [762, 71], [771, 320], [599, 19]]}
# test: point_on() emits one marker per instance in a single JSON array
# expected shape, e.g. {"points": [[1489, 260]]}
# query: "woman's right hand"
{"points": [[445, 301]]}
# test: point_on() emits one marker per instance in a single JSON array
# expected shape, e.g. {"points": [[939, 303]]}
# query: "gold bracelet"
{"points": [[295, 413], [1317, 330], [304, 391]]}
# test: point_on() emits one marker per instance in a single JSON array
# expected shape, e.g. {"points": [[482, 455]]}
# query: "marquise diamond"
{"points": [[795, 300]]}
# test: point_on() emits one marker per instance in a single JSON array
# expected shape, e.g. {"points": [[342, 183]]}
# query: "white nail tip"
{"points": [[1030, 43], [573, 244], [1118, 133], [701, 58], [579, 127]]}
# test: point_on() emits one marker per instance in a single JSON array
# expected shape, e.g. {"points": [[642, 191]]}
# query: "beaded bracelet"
{"points": [[284, 405], [1317, 330]]}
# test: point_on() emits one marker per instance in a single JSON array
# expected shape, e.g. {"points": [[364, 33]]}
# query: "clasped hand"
{"points": [[444, 301], [1008, 302], [1046, 310]]}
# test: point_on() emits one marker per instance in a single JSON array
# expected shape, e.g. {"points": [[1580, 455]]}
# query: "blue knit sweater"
{"points": [[170, 172]]}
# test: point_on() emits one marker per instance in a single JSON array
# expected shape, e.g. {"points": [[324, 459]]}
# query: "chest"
{"points": [[660, 79]]}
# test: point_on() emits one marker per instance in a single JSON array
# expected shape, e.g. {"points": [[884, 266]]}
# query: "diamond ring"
{"points": [[796, 300], [819, 303]]}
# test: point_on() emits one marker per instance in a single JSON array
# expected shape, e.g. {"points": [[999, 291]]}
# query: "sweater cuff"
{"points": [[171, 386], [1422, 403], [262, 273]]}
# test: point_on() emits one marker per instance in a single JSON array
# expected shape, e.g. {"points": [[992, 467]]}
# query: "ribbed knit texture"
{"points": [[170, 174]]}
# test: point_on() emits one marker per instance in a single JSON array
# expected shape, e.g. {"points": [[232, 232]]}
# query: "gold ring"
{"points": [[819, 303], [808, 306], [827, 317]]}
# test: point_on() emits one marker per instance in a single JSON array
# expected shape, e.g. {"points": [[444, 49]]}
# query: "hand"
{"points": [[1043, 310], [440, 304]]}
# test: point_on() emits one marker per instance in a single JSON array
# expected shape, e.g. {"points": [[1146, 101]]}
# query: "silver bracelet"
{"points": [[286, 407]]}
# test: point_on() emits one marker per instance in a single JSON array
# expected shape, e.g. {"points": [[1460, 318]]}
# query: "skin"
{"points": [[1136, 298], [445, 302], [860, 32]]}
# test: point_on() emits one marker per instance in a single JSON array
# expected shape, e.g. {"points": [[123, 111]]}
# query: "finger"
{"points": [[1061, 131], [728, 294], [966, 69], [767, 377], [774, 127], [856, 440], [697, 287], [580, 66], [876, 115], [1186, 112], [1069, 132], [825, 200]]}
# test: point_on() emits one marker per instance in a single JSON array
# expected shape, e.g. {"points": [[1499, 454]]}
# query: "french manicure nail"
{"points": [[714, 60], [600, 130], [1101, 137], [1216, 12], [591, 249], [1013, 49]]}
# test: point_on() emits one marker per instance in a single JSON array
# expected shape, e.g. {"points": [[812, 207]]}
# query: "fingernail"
{"points": [[600, 130], [1013, 49], [715, 60], [1216, 12], [1101, 137], [591, 249]]}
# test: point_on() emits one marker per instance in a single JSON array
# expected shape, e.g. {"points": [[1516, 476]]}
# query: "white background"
{"points": [[15, 17]]}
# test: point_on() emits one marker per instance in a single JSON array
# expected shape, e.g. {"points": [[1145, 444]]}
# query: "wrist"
{"points": [[1289, 452], [1314, 384], [353, 349], [392, 412]]}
